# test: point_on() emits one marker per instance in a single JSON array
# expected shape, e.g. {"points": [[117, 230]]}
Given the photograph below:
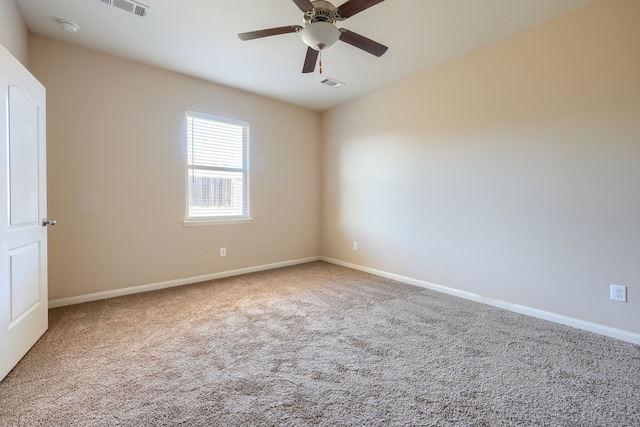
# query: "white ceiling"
{"points": [[199, 38]]}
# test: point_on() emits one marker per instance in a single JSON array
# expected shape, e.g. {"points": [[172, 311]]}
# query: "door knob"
{"points": [[50, 222]]}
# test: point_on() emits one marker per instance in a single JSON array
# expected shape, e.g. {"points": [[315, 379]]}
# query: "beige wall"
{"points": [[116, 174], [13, 31], [512, 172]]}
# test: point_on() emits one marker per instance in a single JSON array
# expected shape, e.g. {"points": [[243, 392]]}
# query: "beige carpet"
{"points": [[316, 344]]}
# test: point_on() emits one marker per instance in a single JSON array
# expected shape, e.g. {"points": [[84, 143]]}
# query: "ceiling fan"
{"points": [[320, 31]]}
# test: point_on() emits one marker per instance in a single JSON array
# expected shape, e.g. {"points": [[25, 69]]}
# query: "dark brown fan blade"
{"points": [[310, 61], [304, 5], [352, 7], [269, 32], [362, 42]]}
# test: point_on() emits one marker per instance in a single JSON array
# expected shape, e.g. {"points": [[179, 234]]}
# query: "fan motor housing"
{"points": [[323, 11]]}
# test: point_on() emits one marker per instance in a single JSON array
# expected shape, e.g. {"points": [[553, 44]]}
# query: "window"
{"points": [[217, 167]]}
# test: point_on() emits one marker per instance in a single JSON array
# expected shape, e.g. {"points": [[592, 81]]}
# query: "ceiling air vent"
{"points": [[129, 6], [331, 82]]}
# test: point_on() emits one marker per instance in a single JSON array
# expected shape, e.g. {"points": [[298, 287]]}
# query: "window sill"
{"points": [[222, 221]]}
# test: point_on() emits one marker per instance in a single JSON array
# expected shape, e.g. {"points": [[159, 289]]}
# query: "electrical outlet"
{"points": [[355, 246], [618, 293], [223, 251]]}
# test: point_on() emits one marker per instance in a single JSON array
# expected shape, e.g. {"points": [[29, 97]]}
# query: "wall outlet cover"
{"points": [[618, 293]]}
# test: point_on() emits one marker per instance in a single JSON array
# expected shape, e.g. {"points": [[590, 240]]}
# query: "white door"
{"points": [[23, 207]]}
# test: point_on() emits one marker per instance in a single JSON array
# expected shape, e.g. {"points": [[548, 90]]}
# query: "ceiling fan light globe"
{"points": [[320, 35]]}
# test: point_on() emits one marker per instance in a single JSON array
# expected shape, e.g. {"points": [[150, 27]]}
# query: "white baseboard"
{"points": [[540, 314], [533, 312], [61, 302]]}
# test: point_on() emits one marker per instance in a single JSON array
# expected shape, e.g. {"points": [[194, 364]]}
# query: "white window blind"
{"points": [[217, 167]]}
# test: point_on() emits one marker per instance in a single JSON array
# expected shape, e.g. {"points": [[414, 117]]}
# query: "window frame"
{"points": [[245, 217]]}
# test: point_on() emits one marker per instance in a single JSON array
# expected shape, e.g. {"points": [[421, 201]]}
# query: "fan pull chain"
{"points": [[320, 62]]}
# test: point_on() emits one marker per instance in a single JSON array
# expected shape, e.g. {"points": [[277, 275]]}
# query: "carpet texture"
{"points": [[316, 344]]}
